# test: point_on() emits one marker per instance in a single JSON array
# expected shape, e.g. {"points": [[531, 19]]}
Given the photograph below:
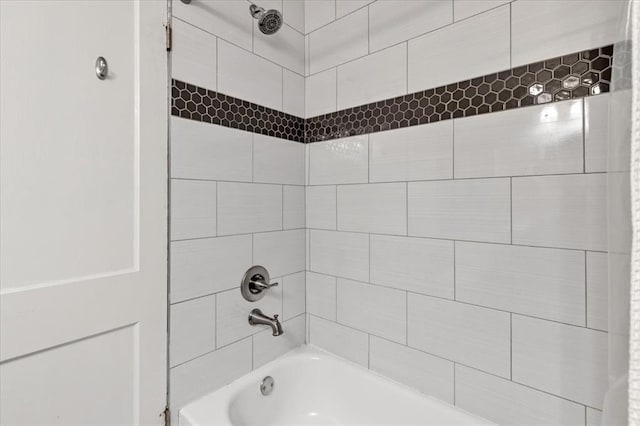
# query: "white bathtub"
{"points": [[313, 387]]}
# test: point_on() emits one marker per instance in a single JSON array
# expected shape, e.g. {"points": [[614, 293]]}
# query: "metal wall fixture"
{"points": [[102, 68], [269, 21], [256, 317], [255, 283], [266, 387]]}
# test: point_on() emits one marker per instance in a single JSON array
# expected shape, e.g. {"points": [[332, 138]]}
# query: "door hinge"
{"points": [[167, 416], [168, 33]]}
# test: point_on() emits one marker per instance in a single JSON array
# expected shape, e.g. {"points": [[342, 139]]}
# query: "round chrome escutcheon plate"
{"points": [[266, 387]]}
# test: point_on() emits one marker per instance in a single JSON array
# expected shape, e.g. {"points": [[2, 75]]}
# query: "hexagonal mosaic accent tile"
{"points": [[567, 77], [571, 76], [200, 104]]}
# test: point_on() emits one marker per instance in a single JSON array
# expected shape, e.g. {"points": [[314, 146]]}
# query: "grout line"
{"points": [[584, 135], [454, 270], [238, 46], [510, 36], [403, 41], [454, 382], [407, 68], [511, 210], [511, 346], [586, 291], [443, 239], [406, 315], [368, 30], [217, 204], [454, 362], [369, 351], [406, 207], [215, 329], [336, 187], [217, 62], [456, 301], [369, 262], [458, 179]]}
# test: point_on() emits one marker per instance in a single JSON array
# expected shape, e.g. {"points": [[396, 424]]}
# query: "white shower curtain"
{"points": [[634, 329], [622, 400]]}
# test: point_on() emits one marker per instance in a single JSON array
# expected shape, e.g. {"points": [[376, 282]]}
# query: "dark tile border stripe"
{"points": [[570, 76], [200, 104], [567, 77]]}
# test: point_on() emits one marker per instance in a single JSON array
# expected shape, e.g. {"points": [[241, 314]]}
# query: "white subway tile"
{"points": [[339, 42], [207, 151], [193, 55], [344, 7], [596, 132], [285, 47], [543, 139], [463, 9], [293, 295], [193, 329], [597, 291], [414, 153], [282, 253], [202, 375], [227, 19], [318, 13], [293, 14], [321, 295], [395, 21], [249, 77], [293, 98], [193, 209], [342, 254], [321, 207], [561, 211], [379, 208], [374, 309], [267, 348], [293, 207], [541, 282], [427, 373], [277, 160], [594, 417], [206, 266], [466, 49], [340, 340], [339, 161], [374, 77], [248, 207], [418, 265], [476, 209], [560, 359], [467, 334], [232, 313], [508, 403], [544, 32], [321, 93]]}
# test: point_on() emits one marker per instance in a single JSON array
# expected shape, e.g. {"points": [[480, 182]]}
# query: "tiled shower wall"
{"points": [[465, 258], [237, 199]]}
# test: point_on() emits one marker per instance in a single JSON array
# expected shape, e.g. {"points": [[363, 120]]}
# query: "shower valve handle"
{"points": [[261, 284]]}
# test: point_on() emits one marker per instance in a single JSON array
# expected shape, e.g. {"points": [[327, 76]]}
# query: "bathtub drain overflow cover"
{"points": [[266, 387]]}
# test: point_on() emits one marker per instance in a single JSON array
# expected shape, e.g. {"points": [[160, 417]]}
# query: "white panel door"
{"points": [[83, 193]]}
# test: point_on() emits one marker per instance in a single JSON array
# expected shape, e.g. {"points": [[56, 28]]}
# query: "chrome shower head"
{"points": [[269, 21]]}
